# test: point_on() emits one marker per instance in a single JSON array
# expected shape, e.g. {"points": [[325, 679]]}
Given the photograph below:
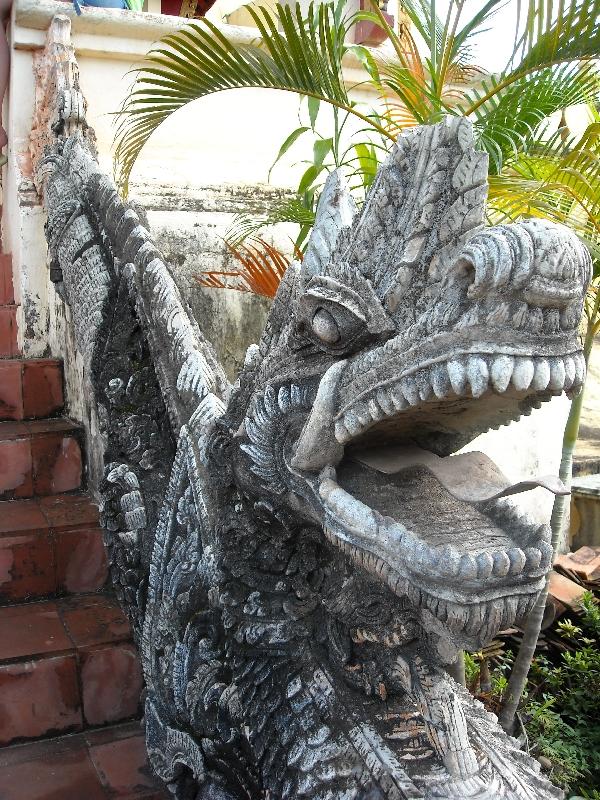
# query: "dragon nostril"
{"points": [[325, 326]]}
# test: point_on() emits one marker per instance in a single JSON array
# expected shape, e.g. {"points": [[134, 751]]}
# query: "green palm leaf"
{"points": [[294, 53]]}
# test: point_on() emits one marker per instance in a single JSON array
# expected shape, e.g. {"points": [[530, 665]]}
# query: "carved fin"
{"points": [[427, 200], [336, 210]]}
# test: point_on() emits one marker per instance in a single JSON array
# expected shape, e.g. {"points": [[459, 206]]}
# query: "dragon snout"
{"points": [[538, 262]]}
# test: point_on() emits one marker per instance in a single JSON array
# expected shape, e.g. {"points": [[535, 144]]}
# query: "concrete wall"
{"points": [[207, 162]]}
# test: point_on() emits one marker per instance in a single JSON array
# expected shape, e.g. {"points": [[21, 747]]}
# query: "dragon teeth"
{"points": [[458, 376], [533, 558], [557, 374], [468, 567], [342, 434], [398, 399], [517, 560], [450, 560], [579, 369], [501, 564], [385, 401], [363, 415], [440, 382], [424, 385], [485, 565], [547, 554], [375, 411], [410, 390], [541, 375], [523, 374], [477, 375], [501, 372], [569, 372], [352, 423]]}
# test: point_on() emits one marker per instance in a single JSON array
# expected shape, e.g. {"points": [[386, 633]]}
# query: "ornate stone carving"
{"points": [[321, 556]]}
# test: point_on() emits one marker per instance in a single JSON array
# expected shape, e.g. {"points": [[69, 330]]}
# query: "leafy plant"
{"points": [[552, 67], [561, 707]]}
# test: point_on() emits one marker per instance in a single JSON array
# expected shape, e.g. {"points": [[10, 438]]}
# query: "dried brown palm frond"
{"points": [[261, 267]]}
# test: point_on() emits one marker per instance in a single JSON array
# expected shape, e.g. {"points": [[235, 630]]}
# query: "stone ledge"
{"points": [[226, 198]]}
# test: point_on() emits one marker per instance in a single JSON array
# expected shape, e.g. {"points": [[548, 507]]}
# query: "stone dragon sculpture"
{"points": [[304, 574]]}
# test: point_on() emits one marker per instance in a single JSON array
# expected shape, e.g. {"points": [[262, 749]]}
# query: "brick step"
{"points": [[8, 331], [66, 665], [39, 458], [30, 388], [94, 765], [50, 546], [7, 295]]}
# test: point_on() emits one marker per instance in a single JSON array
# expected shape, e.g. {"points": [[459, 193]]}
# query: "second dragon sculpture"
{"points": [[322, 554]]}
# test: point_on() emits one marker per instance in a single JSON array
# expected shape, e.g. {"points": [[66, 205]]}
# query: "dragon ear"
{"points": [[336, 211]]}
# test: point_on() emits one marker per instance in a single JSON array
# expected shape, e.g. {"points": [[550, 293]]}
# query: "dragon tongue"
{"points": [[471, 477]]}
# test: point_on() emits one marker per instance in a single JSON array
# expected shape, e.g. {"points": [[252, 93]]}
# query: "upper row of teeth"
{"points": [[467, 376]]}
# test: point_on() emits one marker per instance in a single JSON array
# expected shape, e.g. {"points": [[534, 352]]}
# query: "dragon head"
{"points": [[409, 329]]}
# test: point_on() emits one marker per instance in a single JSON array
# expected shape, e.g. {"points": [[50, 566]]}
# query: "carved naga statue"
{"points": [[321, 553]]}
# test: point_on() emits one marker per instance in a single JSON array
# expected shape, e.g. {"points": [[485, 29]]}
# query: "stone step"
{"points": [[50, 546], [30, 388], [39, 458], [94, 765], [65, 665]]}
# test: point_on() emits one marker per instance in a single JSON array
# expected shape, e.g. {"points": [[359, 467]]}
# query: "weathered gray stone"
{"points": [[302, 556]]}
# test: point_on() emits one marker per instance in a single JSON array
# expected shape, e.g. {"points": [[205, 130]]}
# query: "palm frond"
{"points": [[558, 181], [554, 34], [260, 268], [245, 226], [511, 115], [296, 53]]}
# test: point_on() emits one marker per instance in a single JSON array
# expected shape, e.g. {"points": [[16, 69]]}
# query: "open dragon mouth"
{"points": [[437, 529]]}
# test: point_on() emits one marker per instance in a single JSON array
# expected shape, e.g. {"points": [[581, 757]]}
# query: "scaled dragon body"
{"points": [[321, 556]]}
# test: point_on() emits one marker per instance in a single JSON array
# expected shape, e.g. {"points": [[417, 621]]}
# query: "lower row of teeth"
{"points": [[470, 376], [446, 562], [498, 612]]}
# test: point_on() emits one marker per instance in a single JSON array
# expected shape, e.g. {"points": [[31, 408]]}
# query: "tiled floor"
{"points": [[95, 765]]}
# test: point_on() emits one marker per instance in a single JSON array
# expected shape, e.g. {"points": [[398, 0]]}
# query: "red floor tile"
{"points": [[123, 768], [31, 630], [42, 387], [38, 698], [26, 567], [21, 515], [11, 394], [111, 681], [55, 770], [56, 462], [94, 620], [8, 331], [15, 468], [81, 561], [69, 511], [7, 294]]}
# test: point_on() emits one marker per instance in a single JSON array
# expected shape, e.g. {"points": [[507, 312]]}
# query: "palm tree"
{"points": [[553, 66]]}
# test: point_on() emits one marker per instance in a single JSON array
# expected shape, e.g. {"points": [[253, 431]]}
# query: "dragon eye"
{"points": [[325, 326]]}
